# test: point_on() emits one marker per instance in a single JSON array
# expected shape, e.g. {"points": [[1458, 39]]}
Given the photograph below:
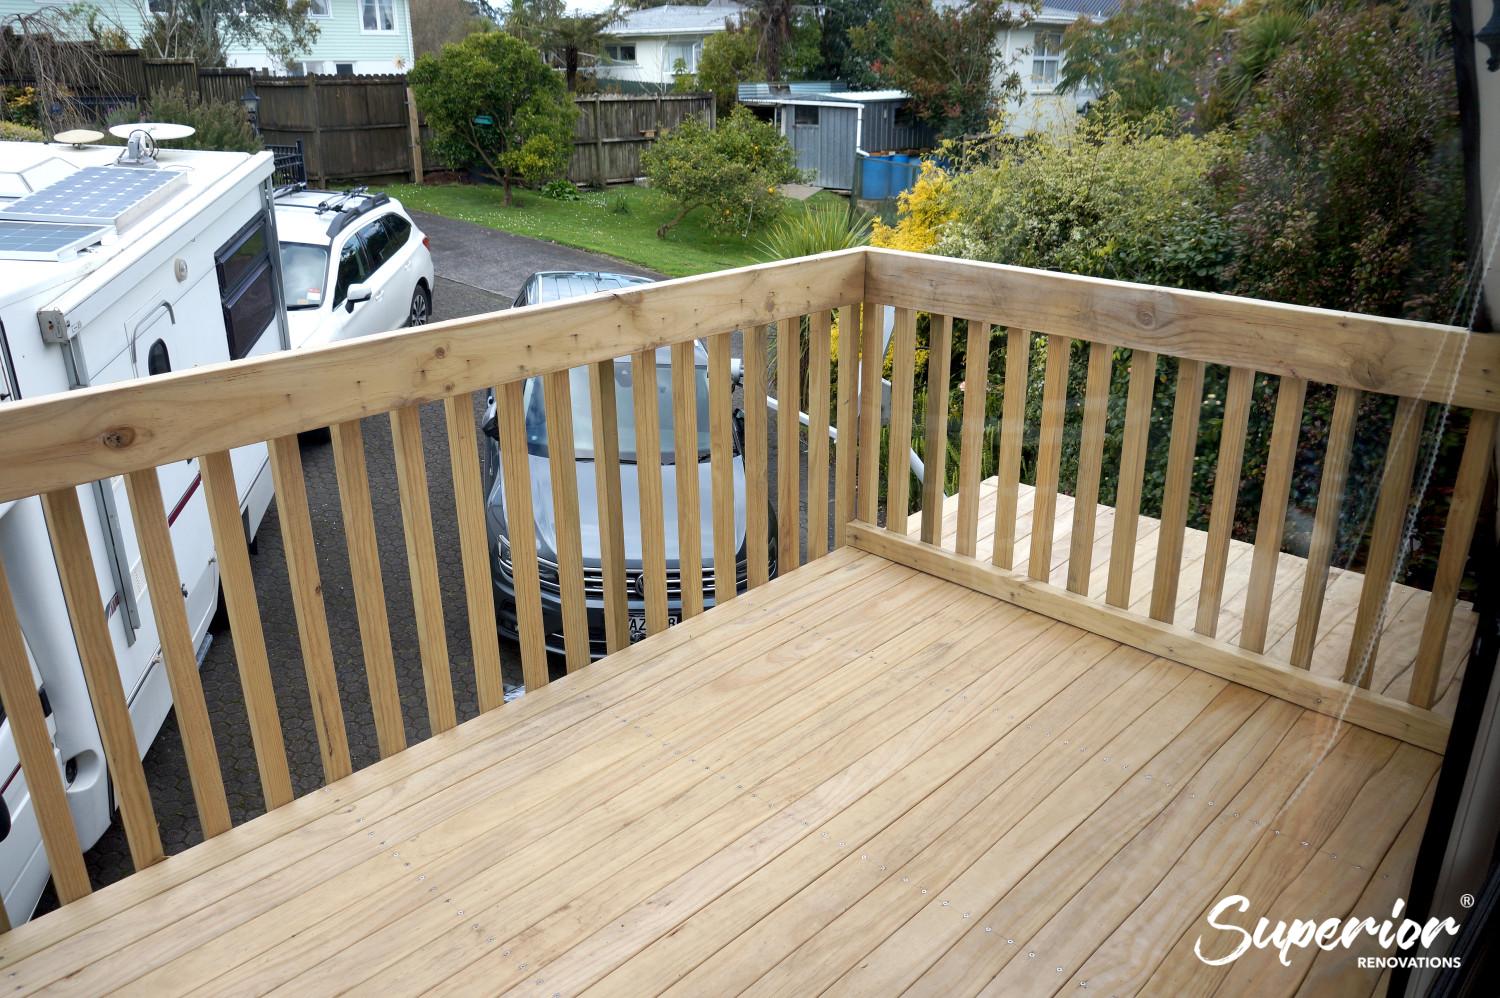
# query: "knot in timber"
{"points": [[440, 352], [119, 437], [1145, 315]]}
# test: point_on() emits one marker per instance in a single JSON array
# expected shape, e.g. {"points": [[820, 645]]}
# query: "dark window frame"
{"points": [[801, 111], [233, 289], [340, 293]]}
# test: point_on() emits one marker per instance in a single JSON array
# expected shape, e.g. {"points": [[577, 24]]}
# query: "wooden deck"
{"points": [[857, 778]]}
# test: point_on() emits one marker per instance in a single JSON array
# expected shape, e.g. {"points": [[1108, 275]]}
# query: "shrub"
{"points": [[922, 212], [494, 105], [730, 171], [20, 106], [12, 132], [561, 190], [617, 204], [218, 125], [818, 229], [1349, 194]]}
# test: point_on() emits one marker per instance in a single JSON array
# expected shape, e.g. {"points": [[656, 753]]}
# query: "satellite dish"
{"points": [[78, 136], [159, 130]]}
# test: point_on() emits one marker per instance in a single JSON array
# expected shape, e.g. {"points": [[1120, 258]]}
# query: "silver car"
{"points": [[549, 286]]}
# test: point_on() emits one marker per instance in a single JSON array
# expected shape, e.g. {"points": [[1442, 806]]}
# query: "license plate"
{"points": [[638, 625]]}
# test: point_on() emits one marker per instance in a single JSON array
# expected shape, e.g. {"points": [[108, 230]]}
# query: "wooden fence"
{"points": [[366, 127]]}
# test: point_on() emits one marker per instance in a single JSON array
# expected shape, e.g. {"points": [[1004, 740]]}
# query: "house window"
{"points": [[620, 53], [804, 114], [1046, 57], [377, 15], [246, 287], [320, 8], [682, 57], [343, 69]]}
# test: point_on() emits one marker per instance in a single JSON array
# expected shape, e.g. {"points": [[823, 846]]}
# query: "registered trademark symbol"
{"points": [[1467, 901]]}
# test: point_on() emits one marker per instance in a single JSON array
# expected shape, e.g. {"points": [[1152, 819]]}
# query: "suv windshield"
{"points": [[583, 413], [304, 270]]}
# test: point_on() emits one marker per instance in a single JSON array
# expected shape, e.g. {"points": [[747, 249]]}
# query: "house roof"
{"points": [[1058, 11], [677, 19]]}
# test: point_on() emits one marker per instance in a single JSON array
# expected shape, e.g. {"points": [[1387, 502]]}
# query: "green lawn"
{"points": [[595, 222]]}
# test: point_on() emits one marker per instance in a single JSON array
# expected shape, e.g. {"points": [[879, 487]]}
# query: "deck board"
{"points": [[858, 778]]}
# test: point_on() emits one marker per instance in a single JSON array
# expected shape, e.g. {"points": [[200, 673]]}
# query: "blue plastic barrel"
{"points": [[876, 180]]}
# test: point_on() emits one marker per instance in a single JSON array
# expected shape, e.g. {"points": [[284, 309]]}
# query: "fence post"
{"points": [[415, 128], [599, 179], [317, 128]]}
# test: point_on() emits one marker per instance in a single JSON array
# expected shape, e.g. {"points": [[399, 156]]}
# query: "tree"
{"points": [[1151, 55], [31, 49], [569, 36], [773, 22], [945, 58], [855, 35], [730, 171], [435, 23], [204, 30], [495, 105], [728, 59]]}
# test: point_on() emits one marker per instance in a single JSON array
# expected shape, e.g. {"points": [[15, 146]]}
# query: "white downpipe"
{"points": [[913, 458]]}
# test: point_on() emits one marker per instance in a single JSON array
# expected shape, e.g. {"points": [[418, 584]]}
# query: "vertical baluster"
{"points": [[939, 366], [971, 435], [1325, 524], [1385, 539], [28, 727], [1090, 459], [245, 628], [898, 463], [603, 404], [1186, 410], [468, 497], [369, 587], [520, 528], [1271, 524], [689, 512], [154, 536], [1049, 457], [307, 604], [818, 331], [788, 443], [871, 402], [1012, 434], [1473, 469], [643, 376], [557, 399], [721, 457], [848, 422], [421, 559], [1226, 494], [75, 569], [757, 475], [1138, 401]]}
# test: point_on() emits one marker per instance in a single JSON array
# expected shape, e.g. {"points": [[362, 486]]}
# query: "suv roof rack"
{"points": [[346, 205]]}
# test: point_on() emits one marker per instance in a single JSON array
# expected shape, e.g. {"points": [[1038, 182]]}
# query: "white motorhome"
{"points": [[119, 264]]}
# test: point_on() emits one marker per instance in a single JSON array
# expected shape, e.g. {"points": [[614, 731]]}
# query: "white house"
{"points": [[354, 36], [1035, 53], [645, 49]]}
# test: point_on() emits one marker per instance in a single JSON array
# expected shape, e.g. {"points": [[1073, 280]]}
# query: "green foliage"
{"points": [[1150, 56], [817, 230], [728, 59], [617, 204], [1349, 191], [561, 190], [1115, 198], [10, 131], [496, 106], [730, 171], [855, 36], [19, 105], [945, 58], [204, 30], [220, 125]]}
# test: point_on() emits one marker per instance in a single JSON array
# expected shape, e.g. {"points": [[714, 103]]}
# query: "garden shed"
{"points": [[830, 131]]}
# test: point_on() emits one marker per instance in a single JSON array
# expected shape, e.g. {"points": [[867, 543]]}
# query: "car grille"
{"points": [[593, 582]]}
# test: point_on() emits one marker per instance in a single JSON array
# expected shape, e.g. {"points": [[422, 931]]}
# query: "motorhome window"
{"points": [[352, 270], [304, 274], [245, 287]]}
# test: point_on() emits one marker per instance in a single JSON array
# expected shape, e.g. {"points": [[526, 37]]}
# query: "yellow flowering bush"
{"points": [[922, 212]]}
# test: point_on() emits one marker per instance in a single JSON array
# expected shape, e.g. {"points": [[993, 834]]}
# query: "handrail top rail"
{"points": [[95, 433]]}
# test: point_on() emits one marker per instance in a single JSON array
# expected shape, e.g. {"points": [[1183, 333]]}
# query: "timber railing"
{"points": [[50, 447]]}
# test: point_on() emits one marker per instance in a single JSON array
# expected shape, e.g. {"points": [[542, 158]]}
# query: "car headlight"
{"points": [[502, 551]]}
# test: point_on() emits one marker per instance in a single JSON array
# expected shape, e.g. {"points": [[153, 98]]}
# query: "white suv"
{"points": [[352, 263]]}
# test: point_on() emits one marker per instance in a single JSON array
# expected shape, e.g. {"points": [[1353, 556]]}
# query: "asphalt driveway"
{"points": [[479, 270]]}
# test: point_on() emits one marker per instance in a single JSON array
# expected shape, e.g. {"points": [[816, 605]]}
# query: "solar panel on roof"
{"points": [[44, 240], [95, 195]]}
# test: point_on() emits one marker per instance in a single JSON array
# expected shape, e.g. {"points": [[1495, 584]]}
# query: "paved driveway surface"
{"points": [[478, 270]]}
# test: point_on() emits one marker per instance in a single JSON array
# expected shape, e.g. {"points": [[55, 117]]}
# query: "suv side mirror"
{"points": [[357, 293], [491, 429]]}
